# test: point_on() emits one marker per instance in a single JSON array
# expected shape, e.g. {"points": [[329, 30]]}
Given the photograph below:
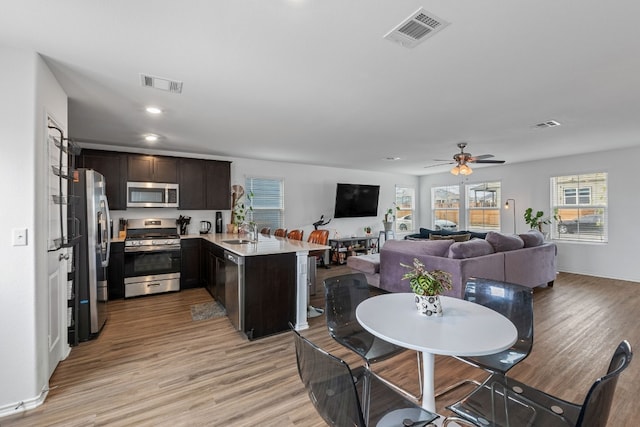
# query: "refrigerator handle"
{"points": [[105, 234]]}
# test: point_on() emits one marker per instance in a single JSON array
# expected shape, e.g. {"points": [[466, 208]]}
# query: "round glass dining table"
{"points": [[465, 329]]}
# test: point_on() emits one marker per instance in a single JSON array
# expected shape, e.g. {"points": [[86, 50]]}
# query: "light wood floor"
{"points": [[153, 366]]}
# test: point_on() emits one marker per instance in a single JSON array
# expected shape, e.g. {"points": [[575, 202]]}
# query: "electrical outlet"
{"points": [[19, 237]]}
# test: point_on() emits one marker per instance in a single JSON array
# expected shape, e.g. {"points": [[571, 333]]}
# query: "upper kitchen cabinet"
{"points": [[191, 177], [143, 168], [218, 188], [204, 184], [113, 166]]}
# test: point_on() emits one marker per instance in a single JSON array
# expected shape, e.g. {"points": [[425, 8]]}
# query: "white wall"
{"points": [[528, 183], [28, 91], [309, 193]]}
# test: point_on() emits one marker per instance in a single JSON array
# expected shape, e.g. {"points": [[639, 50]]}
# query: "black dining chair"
{"points": [[503, 401], [515, 302], [342, 296], [336, 392]]}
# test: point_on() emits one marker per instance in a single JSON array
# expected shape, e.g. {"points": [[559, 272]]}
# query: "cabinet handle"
{"points": [[153, 284]]}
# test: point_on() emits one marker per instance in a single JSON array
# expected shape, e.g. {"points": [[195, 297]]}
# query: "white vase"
{"points": [[428, 305]]}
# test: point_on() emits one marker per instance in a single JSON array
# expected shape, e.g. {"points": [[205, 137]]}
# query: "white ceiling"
{"points": [[313, 81]]}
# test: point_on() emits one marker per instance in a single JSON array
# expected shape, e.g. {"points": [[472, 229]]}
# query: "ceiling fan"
{"points": [[461, 159]]}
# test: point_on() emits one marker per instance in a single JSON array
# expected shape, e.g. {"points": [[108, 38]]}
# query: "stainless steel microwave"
{"points": [[152, 195]]}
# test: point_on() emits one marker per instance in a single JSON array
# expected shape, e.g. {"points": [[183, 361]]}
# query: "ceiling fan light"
{"points": [[465, 170], [455, 170]]}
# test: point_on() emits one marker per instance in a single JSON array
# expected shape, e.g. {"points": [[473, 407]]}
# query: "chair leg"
{"points": [[399, 389], [455, 387]]}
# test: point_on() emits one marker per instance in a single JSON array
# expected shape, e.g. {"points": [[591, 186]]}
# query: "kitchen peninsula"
{"points": [[264, 281]]}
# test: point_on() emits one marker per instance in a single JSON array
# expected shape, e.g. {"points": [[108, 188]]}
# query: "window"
{"points": [[267, 201], [575, 196], [579, 203], [405, 215], [445, 207], [483, 206]]}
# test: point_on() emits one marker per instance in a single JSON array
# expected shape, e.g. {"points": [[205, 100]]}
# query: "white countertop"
{"points": [[265, 244]]}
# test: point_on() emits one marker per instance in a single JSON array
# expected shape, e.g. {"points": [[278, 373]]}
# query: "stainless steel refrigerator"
{"points": [[93, 212]]}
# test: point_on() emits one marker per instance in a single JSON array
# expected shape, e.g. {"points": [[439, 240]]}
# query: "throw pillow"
{"points": [[471, 249], [425, 232], [424, 247], [532, 238], [478, 235], [454, 237], [503, 242]]}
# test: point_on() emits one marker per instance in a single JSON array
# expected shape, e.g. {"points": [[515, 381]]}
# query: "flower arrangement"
{"points": [[424, 282]]}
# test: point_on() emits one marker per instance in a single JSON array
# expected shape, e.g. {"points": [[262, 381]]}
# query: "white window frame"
{"points": [[260, 211], [591, 198], [449, 213], [495, 206], [401, 192]]}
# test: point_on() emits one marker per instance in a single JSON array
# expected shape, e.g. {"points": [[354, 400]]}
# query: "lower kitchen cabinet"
{"points": [[190, 263], [115, 271], [269, 294]]}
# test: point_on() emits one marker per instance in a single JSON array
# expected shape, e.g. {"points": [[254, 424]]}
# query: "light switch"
{"points": [[19, 237]]}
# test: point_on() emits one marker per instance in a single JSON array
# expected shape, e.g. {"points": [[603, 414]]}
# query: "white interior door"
{"points": [[57, 259]]}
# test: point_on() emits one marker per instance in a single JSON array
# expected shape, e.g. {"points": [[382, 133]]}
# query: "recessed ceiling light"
{"points": [[153, 110], [151, 138]]}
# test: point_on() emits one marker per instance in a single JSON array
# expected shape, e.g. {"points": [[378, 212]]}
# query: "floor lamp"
{"points": [[513, 208]]}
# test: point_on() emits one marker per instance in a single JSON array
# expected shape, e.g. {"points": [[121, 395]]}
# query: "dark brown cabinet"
{"points": [[204, 184], [113, 166], [269, 294], [143, 168], [191, 177], [190, 263], [115, 271], [218, 187]]}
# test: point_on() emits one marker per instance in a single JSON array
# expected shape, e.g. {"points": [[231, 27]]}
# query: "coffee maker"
{"points": [[205, 227]]}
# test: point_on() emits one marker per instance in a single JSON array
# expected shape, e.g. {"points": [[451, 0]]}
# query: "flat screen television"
{"points": [[356, 200]]}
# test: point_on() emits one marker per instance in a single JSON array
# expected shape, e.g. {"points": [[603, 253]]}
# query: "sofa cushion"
{"points": [[421, 247], [369, 264], [454, 237], [471, 249], [532, 238], [503, 242]]}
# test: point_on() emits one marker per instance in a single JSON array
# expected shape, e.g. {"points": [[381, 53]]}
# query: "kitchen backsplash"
{"points": [[194, 226]]}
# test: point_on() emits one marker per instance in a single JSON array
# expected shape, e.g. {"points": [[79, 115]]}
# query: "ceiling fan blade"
{"points": [[487, 161], [440, 164], [482, 156]]}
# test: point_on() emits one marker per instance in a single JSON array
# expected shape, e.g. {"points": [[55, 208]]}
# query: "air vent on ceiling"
{"points": [[161, 83], [416, 28], [547, 124]]}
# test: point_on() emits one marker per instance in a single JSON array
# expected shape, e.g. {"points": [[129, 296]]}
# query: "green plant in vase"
{"points": [[537, 220], [427, 287]]}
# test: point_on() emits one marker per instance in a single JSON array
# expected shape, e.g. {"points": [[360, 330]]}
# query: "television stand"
{"points": [[345, 247]]}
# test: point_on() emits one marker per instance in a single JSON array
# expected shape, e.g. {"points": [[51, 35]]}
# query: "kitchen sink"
{"points": [[237, 241]]}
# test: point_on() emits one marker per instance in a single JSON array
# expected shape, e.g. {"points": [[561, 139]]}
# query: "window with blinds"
{"points": [[580, 206], [267, 201]]}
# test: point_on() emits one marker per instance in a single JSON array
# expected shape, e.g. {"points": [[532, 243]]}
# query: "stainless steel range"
{"points": [[151, 257]]}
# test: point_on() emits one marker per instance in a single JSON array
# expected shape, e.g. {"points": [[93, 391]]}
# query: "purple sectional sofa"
{"points": [[524, 259]]}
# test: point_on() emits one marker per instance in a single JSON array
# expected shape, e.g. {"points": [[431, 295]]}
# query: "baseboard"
{"points": [[24, 405]]}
